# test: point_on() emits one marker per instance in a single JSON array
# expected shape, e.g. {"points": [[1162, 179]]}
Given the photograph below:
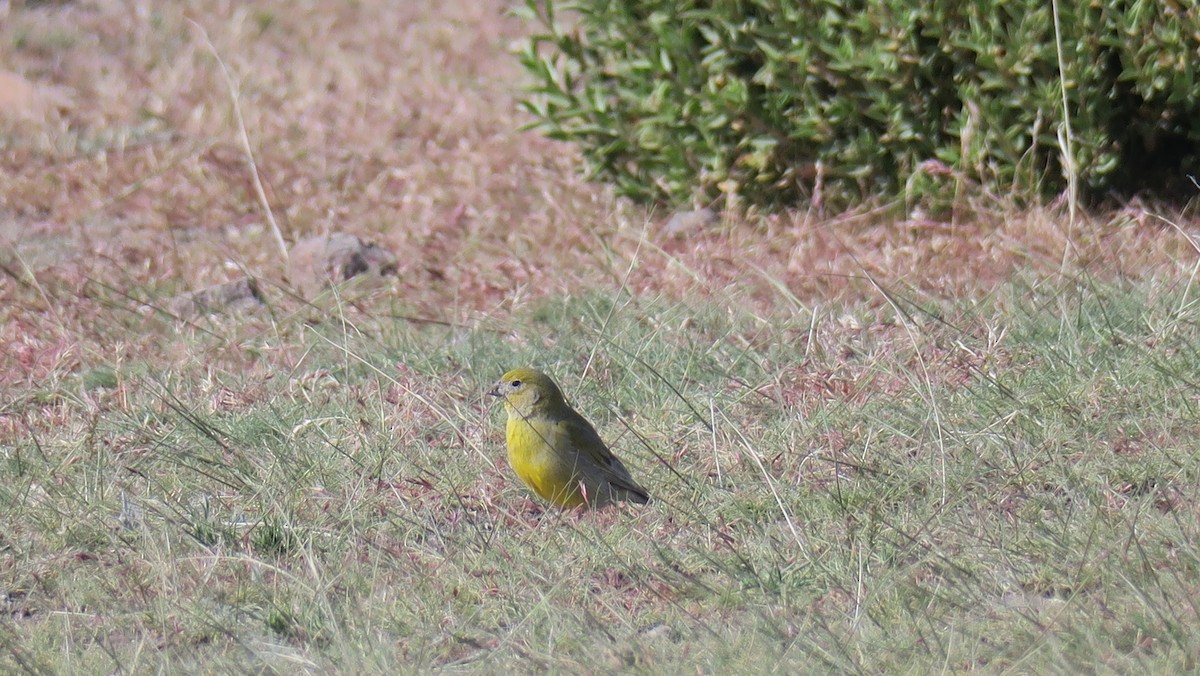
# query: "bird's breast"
{"points": [[535, 455], [528, 449]]}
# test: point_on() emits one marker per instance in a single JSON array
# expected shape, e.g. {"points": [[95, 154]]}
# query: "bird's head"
{"points": [[526, 390]]}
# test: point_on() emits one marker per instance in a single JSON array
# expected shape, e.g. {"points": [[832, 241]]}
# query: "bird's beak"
{"points": [[494, 392]]}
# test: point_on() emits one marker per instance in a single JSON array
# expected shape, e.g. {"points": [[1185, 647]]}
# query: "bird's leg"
{"points": [[584, 492]]}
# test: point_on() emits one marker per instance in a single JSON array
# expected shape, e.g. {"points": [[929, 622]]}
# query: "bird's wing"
{"points": [[584, 438]]}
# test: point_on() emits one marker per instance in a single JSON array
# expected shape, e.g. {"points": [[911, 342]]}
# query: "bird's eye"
{"points": [[516, 383]]}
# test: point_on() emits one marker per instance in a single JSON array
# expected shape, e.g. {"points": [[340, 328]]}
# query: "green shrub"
{"points": [[679, 100]]}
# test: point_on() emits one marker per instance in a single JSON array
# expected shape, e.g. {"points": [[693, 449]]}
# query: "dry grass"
{"points": [[398, 122], [357, 509]]}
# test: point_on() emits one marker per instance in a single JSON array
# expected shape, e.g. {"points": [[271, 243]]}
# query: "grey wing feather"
{"points": [[584, 436]]}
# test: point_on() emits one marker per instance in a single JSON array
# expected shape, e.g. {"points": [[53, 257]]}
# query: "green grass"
{"points": [[1009, 484]]}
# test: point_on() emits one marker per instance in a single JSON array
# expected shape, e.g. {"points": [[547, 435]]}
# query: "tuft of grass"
{"points": [[101, 377]]}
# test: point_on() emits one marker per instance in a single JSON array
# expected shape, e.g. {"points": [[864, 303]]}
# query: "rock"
{"points": [[688, 223], [319, 262], [21, 99], [235, 296]]}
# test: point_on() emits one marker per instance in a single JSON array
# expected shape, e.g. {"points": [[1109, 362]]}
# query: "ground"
{"points": [[874, 441]]}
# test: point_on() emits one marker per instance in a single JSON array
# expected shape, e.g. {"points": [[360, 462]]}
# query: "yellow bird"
{"points": [[555, 451]]}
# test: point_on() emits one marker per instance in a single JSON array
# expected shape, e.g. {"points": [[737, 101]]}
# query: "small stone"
{"points": [[655, 631], [687, 223], [235, 296], [22, 99], [319, 262]]}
